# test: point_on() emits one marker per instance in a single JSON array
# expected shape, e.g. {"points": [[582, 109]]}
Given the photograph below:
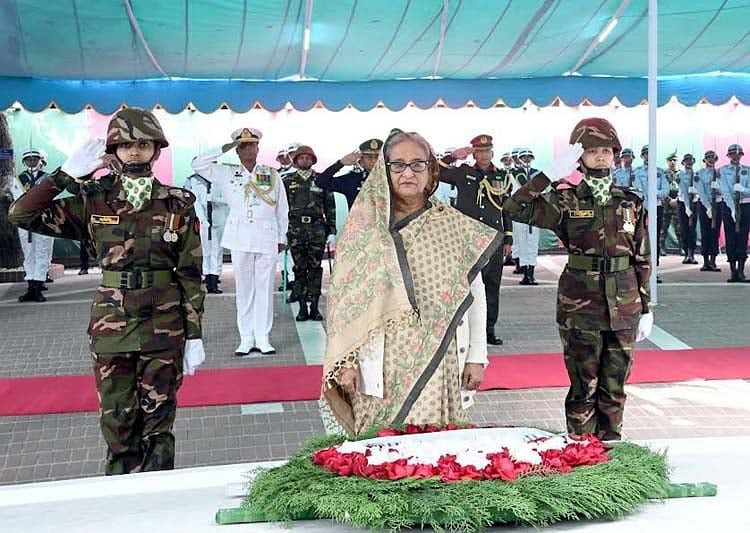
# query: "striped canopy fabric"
{"points": [[364, 53]]}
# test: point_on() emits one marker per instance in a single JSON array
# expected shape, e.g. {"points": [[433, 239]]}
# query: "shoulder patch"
{"points": [[184, 196]]}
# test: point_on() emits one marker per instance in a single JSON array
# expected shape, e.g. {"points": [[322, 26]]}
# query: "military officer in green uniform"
{"points": [[481, 190], [145, 325], [312, 218], [603, 293]]}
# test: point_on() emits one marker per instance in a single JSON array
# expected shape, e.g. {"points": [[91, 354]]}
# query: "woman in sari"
{"points": [[406, 309]]}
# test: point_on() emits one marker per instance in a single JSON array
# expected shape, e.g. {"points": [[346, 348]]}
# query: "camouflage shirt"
{"points": [[306, 199], [125, 240], [592, 300]]}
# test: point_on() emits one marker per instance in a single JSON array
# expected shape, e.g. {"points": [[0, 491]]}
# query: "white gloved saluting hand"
{"points": [[85, 159], [565, 163], [645, 325]]}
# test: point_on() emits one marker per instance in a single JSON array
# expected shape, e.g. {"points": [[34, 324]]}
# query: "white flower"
{"points": [[554, 443]]}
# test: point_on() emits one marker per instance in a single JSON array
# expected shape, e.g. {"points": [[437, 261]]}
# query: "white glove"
{"points": [[565, 163], [692, 190], [645, 325], [739, 188], [194, 356], [85, 159], [688, 211], [331, 239], [708, 214], [715, 186]]}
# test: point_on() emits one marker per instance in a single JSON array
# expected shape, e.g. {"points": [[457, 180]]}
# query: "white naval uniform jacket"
{"points": [[253, 226], [471, 344]]}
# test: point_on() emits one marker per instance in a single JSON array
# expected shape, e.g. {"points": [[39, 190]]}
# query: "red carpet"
{"points": [[70, 394]]}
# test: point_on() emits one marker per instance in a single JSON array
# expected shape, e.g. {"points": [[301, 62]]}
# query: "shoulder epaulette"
{"points": [[562, 185], [635, 192]]}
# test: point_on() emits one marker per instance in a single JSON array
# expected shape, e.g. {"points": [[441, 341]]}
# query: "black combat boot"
{"points": [[38, 296], [491, 339], [517, 270], [525, 280], [293, 297], [734, 278], [530, 275], [685, 259], [508, 260], [691, 257], [314, 313], [303, 315], [706, 267], [712, 260], [29, 295], [741, 271]]}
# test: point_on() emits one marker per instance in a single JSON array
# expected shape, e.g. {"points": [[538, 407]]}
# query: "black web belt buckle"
{"points": [[136, 280]]}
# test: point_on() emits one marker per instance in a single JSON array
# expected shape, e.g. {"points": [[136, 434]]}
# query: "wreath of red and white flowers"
{"points": [[452, 453]]}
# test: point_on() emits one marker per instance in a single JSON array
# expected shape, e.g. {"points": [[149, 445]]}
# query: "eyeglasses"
{"points": [[416, 166]]}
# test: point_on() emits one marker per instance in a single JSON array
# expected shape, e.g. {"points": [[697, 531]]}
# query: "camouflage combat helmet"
{"points": [[134, 124], [595, 132]]}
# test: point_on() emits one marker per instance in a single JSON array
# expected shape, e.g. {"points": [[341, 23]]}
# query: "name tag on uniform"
{"points": [[105, 219], [470, 177], [582, 213]]}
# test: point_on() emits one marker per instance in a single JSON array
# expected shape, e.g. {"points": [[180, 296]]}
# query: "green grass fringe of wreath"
{"points": [[302, 490]]}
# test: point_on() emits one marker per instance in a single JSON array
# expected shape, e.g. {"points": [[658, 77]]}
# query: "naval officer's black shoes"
{"points": [[493, 340]]}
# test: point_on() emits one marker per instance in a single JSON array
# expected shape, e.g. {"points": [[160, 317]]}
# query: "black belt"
{"points": [[594, 263], [305, 219]]}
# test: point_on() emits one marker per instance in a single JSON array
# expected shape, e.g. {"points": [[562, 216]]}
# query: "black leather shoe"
{"points": [[494, 341]]}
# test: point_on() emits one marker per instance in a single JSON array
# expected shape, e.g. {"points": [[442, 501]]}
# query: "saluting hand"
{"points": [[87, 159], [462, 153], [350, 159]]}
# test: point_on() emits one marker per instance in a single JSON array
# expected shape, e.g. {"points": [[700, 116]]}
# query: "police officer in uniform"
{"points": [[709, 211], [312, 218], [734, 186], [255, 232], [482, 188], [624, 176], [603, 293], [350, 184], [662, 192], [525, 236], [145, 325], [37, 248], [687, 200], [212, 210]]}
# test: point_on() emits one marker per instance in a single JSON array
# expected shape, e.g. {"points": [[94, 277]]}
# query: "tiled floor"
{"points": [[49, 339]]}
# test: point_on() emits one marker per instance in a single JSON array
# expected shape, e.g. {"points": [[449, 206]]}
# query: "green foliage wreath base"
{"points": [[301, 490]]}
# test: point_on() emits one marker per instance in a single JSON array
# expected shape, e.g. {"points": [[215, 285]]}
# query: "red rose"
{"points": [[389, 432]]}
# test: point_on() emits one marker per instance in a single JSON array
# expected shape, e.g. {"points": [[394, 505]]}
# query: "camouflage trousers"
{"points": [[306, 244], [598, 364], [137, 406]]}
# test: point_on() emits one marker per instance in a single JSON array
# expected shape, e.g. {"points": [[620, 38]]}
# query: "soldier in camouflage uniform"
{"points": [[146, 314], [312, 218], [671, 207], [603, 293]]}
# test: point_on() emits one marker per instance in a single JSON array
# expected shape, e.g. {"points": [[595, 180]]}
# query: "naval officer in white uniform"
{"points": [[255, 232]]}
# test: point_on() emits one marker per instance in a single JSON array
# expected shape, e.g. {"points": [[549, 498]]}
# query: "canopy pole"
{"points": [[652, 147], [441, 41]]}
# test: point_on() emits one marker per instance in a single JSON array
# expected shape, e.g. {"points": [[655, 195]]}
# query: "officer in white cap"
{"points": [[734, 186], [255, 232]]}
